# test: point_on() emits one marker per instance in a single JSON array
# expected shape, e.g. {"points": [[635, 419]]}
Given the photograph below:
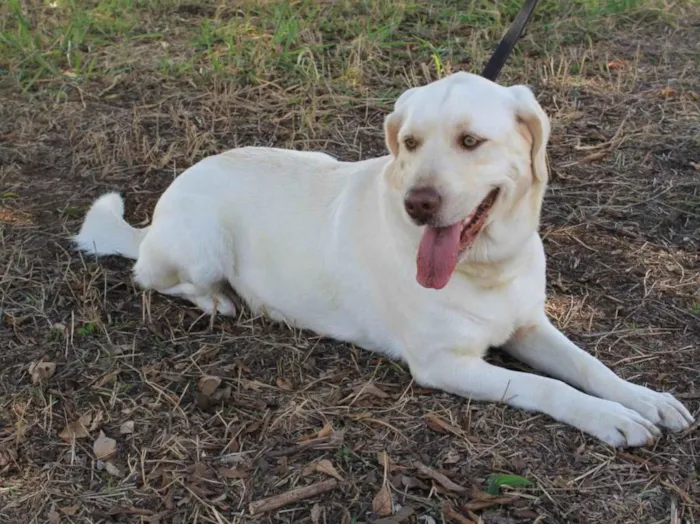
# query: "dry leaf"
{"points": [[436, 423], [41, 371], [222, 394], [412, 482], [53, 517], [105, 378], [325, 431], [7, 456], [168, 501], [316, 514], [449, 513], [284, 384], [387, 463], [77, 428], [381, 504], [452, 457], [70, 510], [104, 446], [439, 478], [325, 466], [370, 389], [208, 384], [127, 427], [400, 516], [309, 470]]}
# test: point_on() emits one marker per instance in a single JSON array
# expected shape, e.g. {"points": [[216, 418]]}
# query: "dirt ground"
{"points": [[120, 406]]}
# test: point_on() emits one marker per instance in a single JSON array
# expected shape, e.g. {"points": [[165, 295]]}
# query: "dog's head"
{"points": [[469, 163]]}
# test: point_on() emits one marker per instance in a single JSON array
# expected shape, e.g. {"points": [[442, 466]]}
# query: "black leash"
{"points": [[507, 43]]}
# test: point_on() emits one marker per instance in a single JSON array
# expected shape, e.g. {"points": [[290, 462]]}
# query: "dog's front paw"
{"points": [[659, 408], [617, 425]]}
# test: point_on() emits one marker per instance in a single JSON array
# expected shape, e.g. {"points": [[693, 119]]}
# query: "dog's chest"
{"points": [[466, 319]]}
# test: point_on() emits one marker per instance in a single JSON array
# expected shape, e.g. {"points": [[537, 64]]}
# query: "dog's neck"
{"points": [[495, 257]]}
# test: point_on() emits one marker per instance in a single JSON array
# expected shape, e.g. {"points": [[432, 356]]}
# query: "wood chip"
{"points": [[127, 428], [113, 470], [97, 420], [284, 384], [41, 371], [316, 511], [208, 384], [53, 517]]}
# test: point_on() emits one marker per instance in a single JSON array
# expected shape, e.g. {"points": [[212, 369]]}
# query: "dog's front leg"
{"points": [[474, 378], [545, 348]]}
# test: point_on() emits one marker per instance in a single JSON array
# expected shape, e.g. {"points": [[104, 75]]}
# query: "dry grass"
{"points": [[125, 94]]}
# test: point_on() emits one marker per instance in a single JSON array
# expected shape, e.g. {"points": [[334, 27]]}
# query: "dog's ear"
{"points": [[392, 123], [530, 113]]}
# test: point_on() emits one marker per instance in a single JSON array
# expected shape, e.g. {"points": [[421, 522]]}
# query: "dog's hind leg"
{"points": [[184, 273], [206, 299]]}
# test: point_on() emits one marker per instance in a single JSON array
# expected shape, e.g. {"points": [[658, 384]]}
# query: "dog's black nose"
{"points": [[422, 204]]}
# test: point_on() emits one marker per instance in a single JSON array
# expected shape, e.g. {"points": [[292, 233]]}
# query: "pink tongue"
{"points": [[437, 255]]}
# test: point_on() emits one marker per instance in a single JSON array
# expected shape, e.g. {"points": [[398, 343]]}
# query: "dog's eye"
{"points": [[410, 143], [469, 142]]}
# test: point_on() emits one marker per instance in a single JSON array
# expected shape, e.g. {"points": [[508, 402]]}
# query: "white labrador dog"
{"points": [[430, 255]]}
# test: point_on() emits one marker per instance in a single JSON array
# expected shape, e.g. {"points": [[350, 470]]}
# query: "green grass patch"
{"points": [[344, 42]]}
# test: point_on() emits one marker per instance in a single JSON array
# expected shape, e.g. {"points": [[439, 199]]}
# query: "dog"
{"points": [[429, 255]]}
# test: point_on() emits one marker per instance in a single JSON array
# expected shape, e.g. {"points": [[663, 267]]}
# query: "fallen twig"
{"points": [[292, 496], [330, 442]]}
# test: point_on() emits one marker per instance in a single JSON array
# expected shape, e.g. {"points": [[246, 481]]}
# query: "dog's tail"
{"points": [[105, 232]]}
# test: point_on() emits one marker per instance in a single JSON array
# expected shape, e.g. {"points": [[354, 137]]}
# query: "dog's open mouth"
{"points": [[441, 247]]}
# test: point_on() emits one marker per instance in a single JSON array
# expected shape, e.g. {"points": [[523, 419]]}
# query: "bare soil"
{"points": [[209, 416]]}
